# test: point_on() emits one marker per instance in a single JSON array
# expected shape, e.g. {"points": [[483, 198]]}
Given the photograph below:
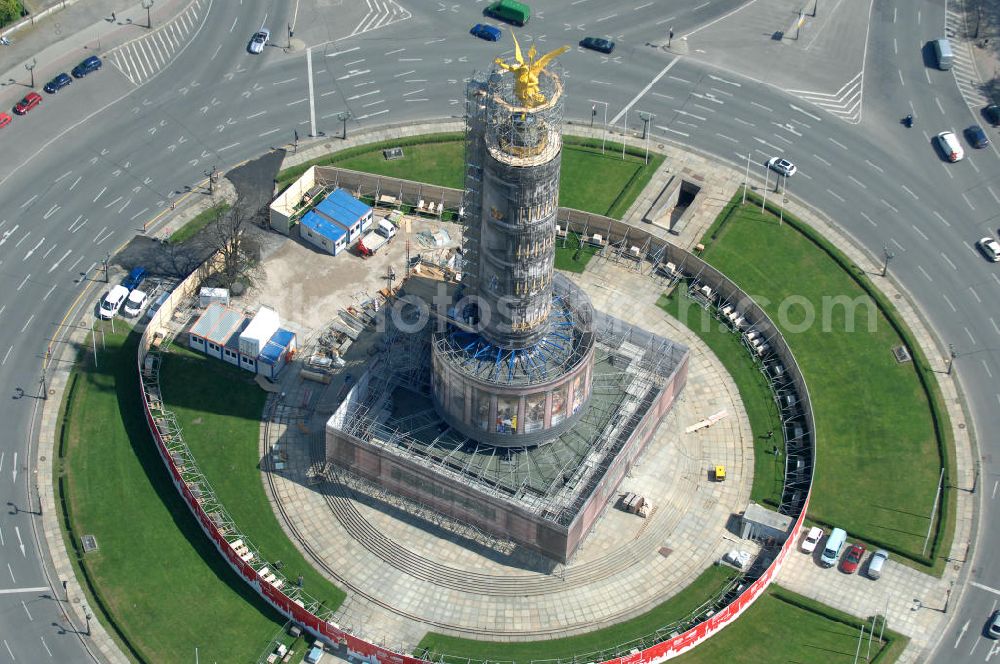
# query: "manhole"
{"points": [[89, 543], [961, 425], [41, 458], [665, 551], [902, 354]]}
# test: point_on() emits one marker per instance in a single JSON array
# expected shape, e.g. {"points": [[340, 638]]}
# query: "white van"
{"points": [[113, 302], [942, 51], [834, 543], [950, 146], [133, 305], [386, 229]]}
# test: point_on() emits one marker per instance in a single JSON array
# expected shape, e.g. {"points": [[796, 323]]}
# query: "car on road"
{"points": [[977, 137], [877, 563], [812, 538], [30, 100], [993, 625], [849, 565], [598, 44], [990, 248], [4, 119], [992, 114], [782, 166], [950, 146], [487, 32], [58, 83], [259, 40], [89, 65]]}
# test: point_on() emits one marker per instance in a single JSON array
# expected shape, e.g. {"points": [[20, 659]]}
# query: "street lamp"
{"points": [[888, 255], [148, 5], [951, 357], [647, 118], [344, 116], [30, 66]]}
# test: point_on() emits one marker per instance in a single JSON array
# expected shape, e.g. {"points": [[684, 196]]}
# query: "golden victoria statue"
{"points": [[526, 73]]}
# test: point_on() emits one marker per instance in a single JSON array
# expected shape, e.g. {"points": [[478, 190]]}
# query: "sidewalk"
{"points": [[70, 31]]}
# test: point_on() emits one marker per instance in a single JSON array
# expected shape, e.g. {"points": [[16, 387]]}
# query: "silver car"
{"points": [[781, 166], [877, 563], [259, 39], [993, 626]]}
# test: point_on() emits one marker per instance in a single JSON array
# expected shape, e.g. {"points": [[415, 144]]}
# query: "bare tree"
{"points": [[231, 235]]}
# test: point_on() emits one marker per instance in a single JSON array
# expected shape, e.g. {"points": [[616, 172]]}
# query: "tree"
{"points": [[232, 237], [10, 10]]}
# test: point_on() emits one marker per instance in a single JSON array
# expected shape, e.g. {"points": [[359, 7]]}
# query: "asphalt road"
{"points": [[102, 157]]}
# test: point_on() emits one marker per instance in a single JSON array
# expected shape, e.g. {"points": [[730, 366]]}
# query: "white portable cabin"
{"points": [[256, 335]]}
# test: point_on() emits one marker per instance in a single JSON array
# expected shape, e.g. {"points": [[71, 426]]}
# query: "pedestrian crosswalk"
{"points": [[143, 58], [964, 66]]}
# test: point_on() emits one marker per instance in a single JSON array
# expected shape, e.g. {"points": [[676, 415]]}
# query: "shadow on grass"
{"points": [[123, 368]]}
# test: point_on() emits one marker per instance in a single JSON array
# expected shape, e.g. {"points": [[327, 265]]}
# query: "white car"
{"points": [[812, 539], [990, 248], [950, 146], [781, 166], [259, 39]]}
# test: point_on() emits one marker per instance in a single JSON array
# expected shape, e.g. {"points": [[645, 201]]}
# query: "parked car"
{"points": [[487, 32], [849, 565], [812, 538], [30, 100], [259, 40], [134, 277], [597, 44], [876, 563], [113, 302], [831, 550], [91, 64], [782, 166], [4, 119], [977, 137], [992, 114], [134, 303], [993, 625], [950, 146], [58, 83], [990, 248]]}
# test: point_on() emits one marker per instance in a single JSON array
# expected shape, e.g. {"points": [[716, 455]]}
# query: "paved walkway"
{"points": [[409, 575]]}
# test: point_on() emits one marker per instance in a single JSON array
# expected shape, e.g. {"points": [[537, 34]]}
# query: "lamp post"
{"points": [[148, 6], [951, 357], [30, 66], [646, 119], [888, 256], [344, 116]]}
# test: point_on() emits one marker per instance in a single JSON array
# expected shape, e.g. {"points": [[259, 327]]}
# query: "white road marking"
{"points": [[132, 218], [940, 218], [836, 142], [232, 145], [807, 113], [56, 264], [949, 302], [975, 295], [23, 328], [868, 219], [920, 232], [112, 202], [642, 92], [948, 261], [100, 194], [857, 182], [24, 282], [29, 201], [727, 138], [996, 328], [356, 48], [971, 338], [5, 356], [836, 195], [276, 129], [753, 103], [924, 272], [297, 101], [889, 205], [672, 131], [75, 182], [256, 115], [287, 80], [26, 612], [986, 368], [67, 173], [907, 190], [11, 571], [45, 645], [967, 201], [877, 168]]}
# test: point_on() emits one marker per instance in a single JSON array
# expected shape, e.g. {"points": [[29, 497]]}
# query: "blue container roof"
{"points": [[283, 337], [322, 227], [277, 345], [343, 208]]}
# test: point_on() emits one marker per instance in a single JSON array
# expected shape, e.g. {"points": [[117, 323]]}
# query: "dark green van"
{"points": [[510, 11]]}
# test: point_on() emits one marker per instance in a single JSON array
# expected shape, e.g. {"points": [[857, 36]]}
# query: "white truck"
{"points": [[376, 239]]}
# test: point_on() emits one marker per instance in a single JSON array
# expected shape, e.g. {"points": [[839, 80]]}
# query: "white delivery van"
{"points": [[134, 302], [834, 543], [386, 229], [113, 302]]}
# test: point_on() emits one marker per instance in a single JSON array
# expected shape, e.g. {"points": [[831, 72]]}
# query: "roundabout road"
{"points": [[105, 156]]}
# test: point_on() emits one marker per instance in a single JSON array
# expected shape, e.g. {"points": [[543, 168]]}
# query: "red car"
{"points": [[4, 119], [851, 560], [30, 100]]}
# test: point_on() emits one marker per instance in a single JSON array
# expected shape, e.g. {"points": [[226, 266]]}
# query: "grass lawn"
{"points": [[877, 458], [604, 184], [784, 627], [676, 608], [755, 392], [570, 256], [219, 408], [165, 586], [202, 219]]}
